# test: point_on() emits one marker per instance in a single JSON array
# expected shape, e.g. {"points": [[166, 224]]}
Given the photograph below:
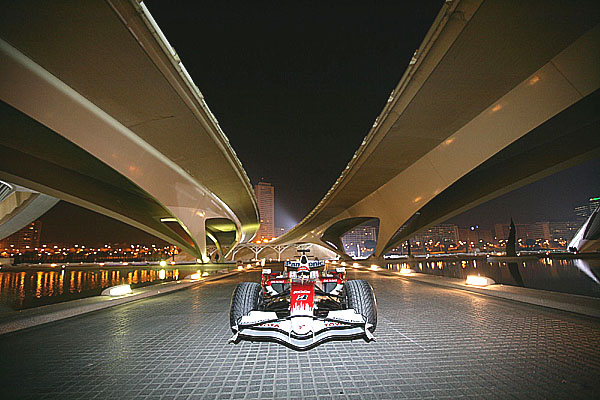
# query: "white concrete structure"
{"points": [[587, 238]]}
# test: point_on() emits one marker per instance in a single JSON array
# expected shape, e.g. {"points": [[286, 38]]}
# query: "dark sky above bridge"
{"points": [[296, 87]]}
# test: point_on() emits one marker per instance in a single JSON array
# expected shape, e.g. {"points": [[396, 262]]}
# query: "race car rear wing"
{"points": [[310, 264]]}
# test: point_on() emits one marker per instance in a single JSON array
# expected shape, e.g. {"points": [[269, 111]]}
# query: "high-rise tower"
{"points": [[265, 194]]}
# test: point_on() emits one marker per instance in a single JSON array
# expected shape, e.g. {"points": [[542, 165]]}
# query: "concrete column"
{"points": [[199, 236], [387, 229]]}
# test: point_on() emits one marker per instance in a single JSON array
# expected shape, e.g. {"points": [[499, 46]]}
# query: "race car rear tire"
{"points": [[360, 297], [246, 298]]}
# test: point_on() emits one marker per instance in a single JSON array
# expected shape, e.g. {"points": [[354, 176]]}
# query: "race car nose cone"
{"points": [[302, 325]]}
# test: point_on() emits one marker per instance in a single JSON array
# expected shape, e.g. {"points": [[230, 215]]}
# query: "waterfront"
{"points": [[33, 287], [40, 285], [574, 276]]}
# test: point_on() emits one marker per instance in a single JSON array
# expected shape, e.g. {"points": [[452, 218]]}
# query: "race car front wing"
{"points": [[302, 332]]}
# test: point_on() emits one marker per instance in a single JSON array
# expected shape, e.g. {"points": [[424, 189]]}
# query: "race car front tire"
{"points": [[246, 298], [360, 297]]}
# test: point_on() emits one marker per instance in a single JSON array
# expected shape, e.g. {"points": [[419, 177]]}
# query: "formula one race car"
{"points": [[303, 306]]}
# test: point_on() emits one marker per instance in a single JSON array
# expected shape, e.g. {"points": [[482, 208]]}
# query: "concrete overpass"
{"points": [[499, 94], [98, 110]]}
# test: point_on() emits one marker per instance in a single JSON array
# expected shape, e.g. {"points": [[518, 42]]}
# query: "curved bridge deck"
{"points": [[432, 342]]}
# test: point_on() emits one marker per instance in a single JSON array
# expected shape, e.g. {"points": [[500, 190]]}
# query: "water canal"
{"points": [[32, 286], [574, 276]]}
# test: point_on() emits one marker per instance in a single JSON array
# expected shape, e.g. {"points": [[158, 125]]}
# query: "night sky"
{"points": [[296, 87]]}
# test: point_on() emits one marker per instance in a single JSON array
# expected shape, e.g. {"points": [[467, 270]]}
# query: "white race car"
{"points": [[303, 306]]}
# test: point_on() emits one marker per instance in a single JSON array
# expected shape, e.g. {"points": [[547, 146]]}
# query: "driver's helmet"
{"points": [[303, 271]]}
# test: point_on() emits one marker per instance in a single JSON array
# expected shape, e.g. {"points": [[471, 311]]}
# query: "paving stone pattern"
{"points": [[432, 342]]}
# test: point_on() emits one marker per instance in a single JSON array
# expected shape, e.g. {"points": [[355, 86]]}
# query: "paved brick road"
{"points": [[432, 343]]}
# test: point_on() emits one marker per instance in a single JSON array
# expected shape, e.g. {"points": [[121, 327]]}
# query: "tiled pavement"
{"points": [[432, 343]]}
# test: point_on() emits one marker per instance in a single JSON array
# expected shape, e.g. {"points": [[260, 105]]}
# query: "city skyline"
{"points": [[129, 235]]}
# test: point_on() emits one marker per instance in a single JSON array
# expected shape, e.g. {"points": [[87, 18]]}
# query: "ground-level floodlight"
{"points": [[407, 271], [119, 290], [194, 277], [479, 280]]}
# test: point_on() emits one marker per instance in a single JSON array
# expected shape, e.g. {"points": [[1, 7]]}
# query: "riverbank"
{"points": [[112, 264], [19, 320], [489, 257], [36, 285]]}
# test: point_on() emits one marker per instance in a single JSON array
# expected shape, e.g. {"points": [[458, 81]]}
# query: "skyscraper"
{"points": [[265, 195]]}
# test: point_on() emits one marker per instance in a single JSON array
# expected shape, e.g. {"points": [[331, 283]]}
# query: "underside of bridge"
{"points": [[222, 233], [37, 158], [565, 140], [41, 160], [98, 110], [497, 95]]}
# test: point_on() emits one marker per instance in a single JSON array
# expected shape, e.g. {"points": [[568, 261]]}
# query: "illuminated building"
{"points": [[443, 233], [563, 230], [265, 195], [26, 238], [540, 230]]}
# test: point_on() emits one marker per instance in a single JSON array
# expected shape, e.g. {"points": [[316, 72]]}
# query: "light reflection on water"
{"points": [[575, 276], [26, 289]]}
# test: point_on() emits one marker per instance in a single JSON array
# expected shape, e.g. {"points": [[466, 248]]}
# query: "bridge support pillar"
{"points": [[387, 229], [218, 245], [194, 222], [200, 238]]}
